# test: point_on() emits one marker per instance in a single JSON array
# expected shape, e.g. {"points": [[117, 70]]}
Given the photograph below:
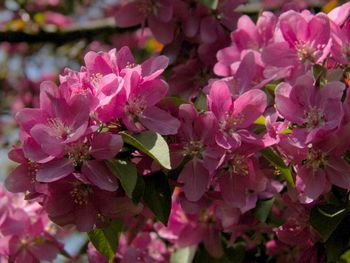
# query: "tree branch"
{"points": [[70, 33]]}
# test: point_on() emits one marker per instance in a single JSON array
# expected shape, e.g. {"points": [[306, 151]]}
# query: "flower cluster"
{"points": [[25, 231], [255, 159], [66, 141], [300, 59]]}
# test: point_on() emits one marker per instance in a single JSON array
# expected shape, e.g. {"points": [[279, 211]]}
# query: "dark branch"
{"points": [[89, 30]]}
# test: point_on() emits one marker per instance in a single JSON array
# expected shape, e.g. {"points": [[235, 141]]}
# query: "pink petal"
{"points": [[246, 72], [49, 144], [246, 36], [250, 106], [196, 179], [164, 11], [125, 57], [154, 67], [85, 217], [219, 99], [44, 251], [159, 121], [163, 32], [19, 180], [33, 151], [208, 29], [17, 155], [285, 106], [54, 170], [191, 25], [151, 91], [206, 127], [190, 235], [105, 146], [27, 118], [98, 174], [337, 170], [311, 184], [96, 63], [48, 90], [293, 27], [272, 54], [319, 29], [212, 242], [129, 15], [340, 14], [187, 115]]}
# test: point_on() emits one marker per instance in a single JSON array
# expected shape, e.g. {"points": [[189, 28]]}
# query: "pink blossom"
{"points": [[198, 144], [319, 110], [234, 116], [73, 200], [299, 40], [158, 14]]}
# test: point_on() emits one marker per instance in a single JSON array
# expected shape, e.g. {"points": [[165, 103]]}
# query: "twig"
{"points": [[70, 33]]}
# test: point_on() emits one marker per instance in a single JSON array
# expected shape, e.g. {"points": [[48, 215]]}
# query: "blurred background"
{"points": [[39, 38]]}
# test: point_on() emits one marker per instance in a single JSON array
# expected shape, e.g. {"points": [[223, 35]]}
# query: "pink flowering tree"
{"points": [[175, 131]]}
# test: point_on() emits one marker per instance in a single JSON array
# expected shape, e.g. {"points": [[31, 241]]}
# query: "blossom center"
{"points": [[96, 78], [237, 164], [305, 52], [135, 106], [316, 159], [194, 149], [32, 170], [148, 7], [230, 123], [58, 128], [78, 153], [80, 194], [314, 117]]}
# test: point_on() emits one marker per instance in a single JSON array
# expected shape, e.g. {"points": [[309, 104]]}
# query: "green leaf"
{"points": [[345, 258], [274, 159], [157, 195], [173, 100], [150, 143], [319, 73], [183, 255], [106, 240], [260, 121], [338, 242], [64, 253], [236, 252], [326, 218], [126, 172], [201, 102], [212, 4], [139, 190], [204, 256], [263, 209], [271, 87]]}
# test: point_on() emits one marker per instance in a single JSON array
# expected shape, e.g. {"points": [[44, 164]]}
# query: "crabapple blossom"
{"points": [[230, 140]]}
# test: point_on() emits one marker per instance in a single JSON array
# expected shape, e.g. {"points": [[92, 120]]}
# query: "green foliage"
{"points": [[106, 240], [326, 218], [345, 258], [276, 161], [150, 143], [319, 73], [232, 254], [263, 209], [183, 255], [212, 4], [338, 242], [126, 172], [201, 102], [157, 196]]}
